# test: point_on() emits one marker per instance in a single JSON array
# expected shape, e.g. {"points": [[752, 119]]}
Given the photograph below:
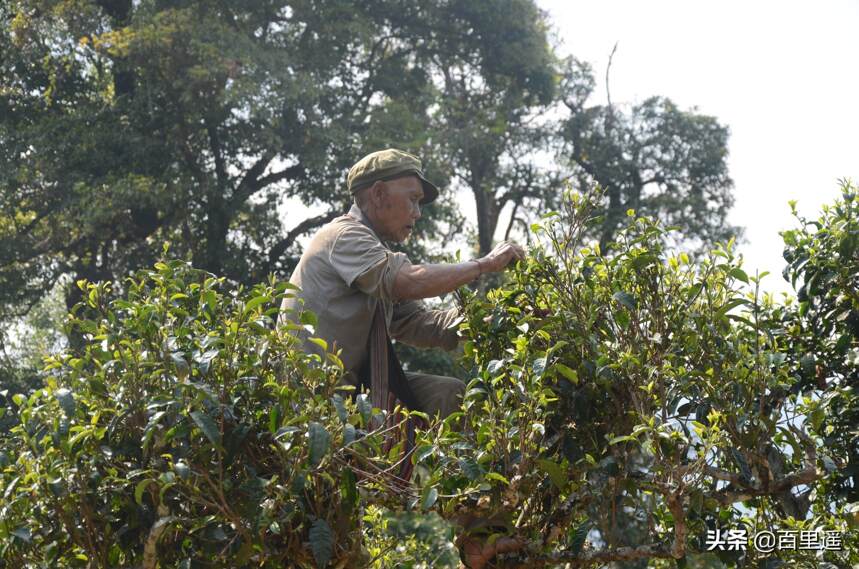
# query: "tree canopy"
{"points": [[128, 124]]}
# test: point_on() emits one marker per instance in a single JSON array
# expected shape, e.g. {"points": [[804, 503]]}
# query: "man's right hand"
{"points": [[503, 254]]}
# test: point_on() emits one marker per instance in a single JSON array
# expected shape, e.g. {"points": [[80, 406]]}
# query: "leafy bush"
{"points": [[186, 430], [621, 406], [632, 402], [823, 261]]}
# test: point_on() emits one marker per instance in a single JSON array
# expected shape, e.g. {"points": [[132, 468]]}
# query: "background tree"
{"points": [[490, 124], [127, 124], [655, 159]]}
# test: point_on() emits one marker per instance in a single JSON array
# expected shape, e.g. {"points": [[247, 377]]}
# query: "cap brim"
{"points": [[430, 190]]}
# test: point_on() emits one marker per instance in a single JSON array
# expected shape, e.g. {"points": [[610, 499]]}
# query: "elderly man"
{"points": [[347, 274]]}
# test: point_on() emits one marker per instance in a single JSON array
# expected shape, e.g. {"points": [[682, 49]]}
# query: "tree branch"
{"points": [[587, 558], [738, 491], [278, 249], [252, 174], [249, 187]]}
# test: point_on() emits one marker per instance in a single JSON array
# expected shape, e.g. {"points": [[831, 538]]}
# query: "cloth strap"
{"points": [[388, 386]]}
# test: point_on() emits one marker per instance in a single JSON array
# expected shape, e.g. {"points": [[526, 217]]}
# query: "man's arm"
{"points": [[414, 324], [425, 281]]}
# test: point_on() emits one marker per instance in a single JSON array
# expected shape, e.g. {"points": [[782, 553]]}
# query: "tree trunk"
{"points": [[487, 217]]}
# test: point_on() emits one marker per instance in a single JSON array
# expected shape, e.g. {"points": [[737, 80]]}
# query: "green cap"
{"points": [[386, 165]]}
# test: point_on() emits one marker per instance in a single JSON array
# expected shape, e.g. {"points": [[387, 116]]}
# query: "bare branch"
{"points": [[607, 90], [249, 187], [310, 223]]}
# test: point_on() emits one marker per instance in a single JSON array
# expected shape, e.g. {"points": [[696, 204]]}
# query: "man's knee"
{"points": [[436, 394]]}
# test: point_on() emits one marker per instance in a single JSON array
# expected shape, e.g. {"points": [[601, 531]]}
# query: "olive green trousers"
{"points": [[436, 394]]}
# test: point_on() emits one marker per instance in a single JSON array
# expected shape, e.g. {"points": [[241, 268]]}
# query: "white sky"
{"points": [[782, 75]]}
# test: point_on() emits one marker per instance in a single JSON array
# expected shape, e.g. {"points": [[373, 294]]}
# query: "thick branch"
{"points": [[310, 223], [739, 491], [250, 178], [250, 187]]}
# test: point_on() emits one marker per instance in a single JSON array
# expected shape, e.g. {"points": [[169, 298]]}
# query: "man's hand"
{"points": [[503, 254]]}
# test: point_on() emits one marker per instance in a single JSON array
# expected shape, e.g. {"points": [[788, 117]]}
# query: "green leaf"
{"points": [[567, 372], [349, 434], [498, 477], [318, 442], [22, 533], [204, 361], [539, 366], [182, 368], [430, 495], [255, 302], [621, 439], [309, 318], [365, 408], [66, 400], [625, 299], [321, 542], [423, 451], [470, 468], [208, 426], [209, 298], [556, 474], [739, 274], [340, 407], [150, 428], [731, 304], [140, 488]]}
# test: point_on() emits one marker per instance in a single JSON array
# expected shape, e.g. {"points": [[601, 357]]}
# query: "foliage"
{"points": [[409, 540], [186, 429], [655, 158], [623, 404], [664, 162], [125, 124], [26, 341], [823, 261]]}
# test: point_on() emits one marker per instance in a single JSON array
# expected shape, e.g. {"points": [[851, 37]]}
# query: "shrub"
{"points": [[185, 430], [625, 404], [622, 405], [823, 262]]}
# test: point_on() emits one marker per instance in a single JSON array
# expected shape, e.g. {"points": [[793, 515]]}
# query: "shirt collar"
{"points": [[356, 213]]}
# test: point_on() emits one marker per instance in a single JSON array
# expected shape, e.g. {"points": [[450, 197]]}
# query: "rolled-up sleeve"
{"points": [[364, 263], [414, 324]]}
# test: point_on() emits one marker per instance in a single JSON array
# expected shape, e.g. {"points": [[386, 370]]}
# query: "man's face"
{"points": [[399, 208]]}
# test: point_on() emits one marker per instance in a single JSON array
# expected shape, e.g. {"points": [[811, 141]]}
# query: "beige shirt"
{"points": [[344, 271]]}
